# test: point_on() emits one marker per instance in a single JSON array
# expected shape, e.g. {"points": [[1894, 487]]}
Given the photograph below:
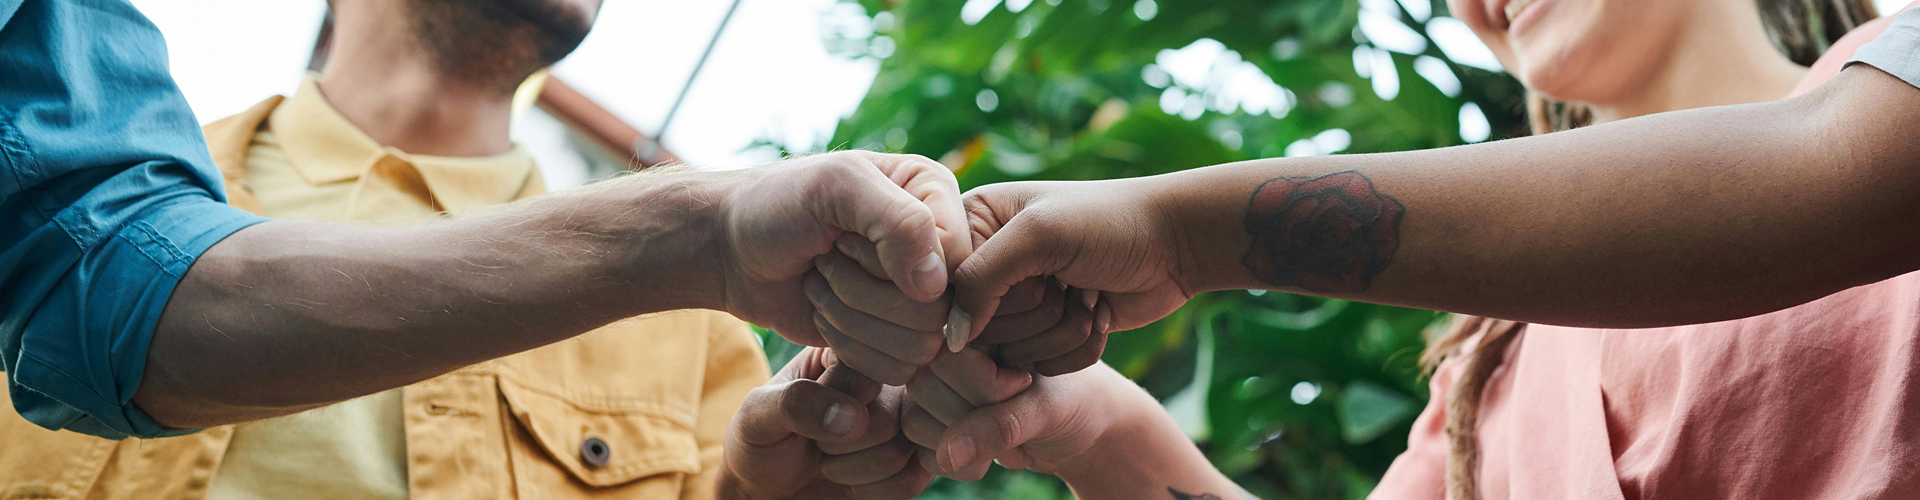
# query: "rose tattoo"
{"points": [[1331, 233]]}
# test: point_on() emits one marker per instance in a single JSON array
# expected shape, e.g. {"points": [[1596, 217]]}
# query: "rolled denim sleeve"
{"points": [[107, 196]]}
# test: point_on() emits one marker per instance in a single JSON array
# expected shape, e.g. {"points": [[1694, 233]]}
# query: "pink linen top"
{"points": [[1818, 401]]}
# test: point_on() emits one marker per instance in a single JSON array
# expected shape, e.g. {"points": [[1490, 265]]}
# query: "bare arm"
{"points": [[1145, 456], [1675, 218], [288, 315], [1103, 435]]}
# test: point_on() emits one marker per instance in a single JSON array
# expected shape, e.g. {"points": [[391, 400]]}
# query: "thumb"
{"points": [[767, 448], [904, 230], [1016, 248], [799, 400], [990, 432], [807, 408]]}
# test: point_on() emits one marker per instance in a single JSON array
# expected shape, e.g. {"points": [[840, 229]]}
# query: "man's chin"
{"points": [[502, 39], [562, 24]]}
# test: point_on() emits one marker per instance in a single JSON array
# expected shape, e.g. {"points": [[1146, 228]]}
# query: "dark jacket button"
{"points": [[595, 452]]}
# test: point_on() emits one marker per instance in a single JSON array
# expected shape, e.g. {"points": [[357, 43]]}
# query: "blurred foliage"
{"points": [[1293, 397]]}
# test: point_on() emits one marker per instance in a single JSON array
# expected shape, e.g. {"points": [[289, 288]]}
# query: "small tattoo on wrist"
{"points": [[1181, 495], [1331, 233]]}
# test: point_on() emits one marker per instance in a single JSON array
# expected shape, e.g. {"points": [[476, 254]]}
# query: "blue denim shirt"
{"points": [[107, 195]]}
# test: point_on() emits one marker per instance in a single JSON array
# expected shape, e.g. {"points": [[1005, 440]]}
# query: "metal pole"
{"points": [[648, 148]]}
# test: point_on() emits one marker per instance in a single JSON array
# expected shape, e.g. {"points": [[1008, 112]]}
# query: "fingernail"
{"points": [[839, 419], [1102, 318], [959, 324], [846, 247], [931, 274], [959, 453], [1089, 297]]}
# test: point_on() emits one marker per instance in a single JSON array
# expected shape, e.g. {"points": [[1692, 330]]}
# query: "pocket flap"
{"points": [[605, 443]]}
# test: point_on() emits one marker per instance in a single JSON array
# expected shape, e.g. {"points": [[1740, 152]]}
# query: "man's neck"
{"points": [[1724, 58], [402, 102]]}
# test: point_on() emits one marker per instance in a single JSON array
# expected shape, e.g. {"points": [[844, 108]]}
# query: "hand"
{"points": [[1048, 428], [818, 430], [953, 386], [1095, 429], [779, 217], [887, 335], [1100, 235]]}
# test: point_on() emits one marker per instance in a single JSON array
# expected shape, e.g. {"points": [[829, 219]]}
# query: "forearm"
{"points": [[290, 315], [1676, 218], [1146, 456]]}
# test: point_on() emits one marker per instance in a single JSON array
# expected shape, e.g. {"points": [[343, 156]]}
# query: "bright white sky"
{"points": [[769, 77]]}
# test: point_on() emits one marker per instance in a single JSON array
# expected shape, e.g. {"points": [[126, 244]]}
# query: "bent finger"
{"points": [[869, 361], [869, 465], [867, 293], [1070, 333], [906, 484], [920, 427], [1079, 359], [913, 347], [974, 376], [933, 395]]}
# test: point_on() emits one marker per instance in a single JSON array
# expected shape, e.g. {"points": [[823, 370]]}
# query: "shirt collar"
{"points": [[325, 148]]}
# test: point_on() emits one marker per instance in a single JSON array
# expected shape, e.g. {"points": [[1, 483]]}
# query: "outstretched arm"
{"points": [[288, 315], [1103, 435], [1675, 218]]}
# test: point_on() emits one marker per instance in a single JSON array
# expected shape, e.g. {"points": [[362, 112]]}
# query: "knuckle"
{"points": [[980, 216], [893, 374], [792, 398], [766, 394], [1008, 426], [924, 349], [838, 165], [914, 218], [1080, 329]]}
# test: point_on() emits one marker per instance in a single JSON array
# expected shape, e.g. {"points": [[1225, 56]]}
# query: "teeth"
{"points": [[1514, 7]]}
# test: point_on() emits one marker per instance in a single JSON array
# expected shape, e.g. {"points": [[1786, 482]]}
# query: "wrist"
{"points": [[1132, 416], [1198, 229], [665, 235]]}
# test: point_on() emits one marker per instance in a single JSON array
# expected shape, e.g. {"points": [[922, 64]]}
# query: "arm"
{"points": [[289, 315], [106, 193], [1676, 218], [1146, 456], [1103, 435]]}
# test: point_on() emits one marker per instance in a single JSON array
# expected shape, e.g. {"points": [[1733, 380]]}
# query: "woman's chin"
{"points": [[1554, 80]]}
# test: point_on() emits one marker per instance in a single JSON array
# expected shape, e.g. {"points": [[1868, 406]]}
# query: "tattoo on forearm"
{"points": [[1331, 233], [1181, 495]]}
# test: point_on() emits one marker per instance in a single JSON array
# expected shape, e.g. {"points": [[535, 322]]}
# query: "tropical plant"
{"points": [[1291, 396]]}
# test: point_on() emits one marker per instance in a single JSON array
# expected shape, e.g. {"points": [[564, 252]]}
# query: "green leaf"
{"points": [[1368, 410]]}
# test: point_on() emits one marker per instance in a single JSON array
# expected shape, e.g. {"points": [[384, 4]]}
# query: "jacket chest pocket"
{"points": [[574, 447]]}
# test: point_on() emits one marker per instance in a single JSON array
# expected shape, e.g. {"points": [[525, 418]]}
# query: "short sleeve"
{"points": [[107, 197], [1897, 51]]}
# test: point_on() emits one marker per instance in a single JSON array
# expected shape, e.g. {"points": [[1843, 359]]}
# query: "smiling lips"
{"points": [[1514, 8]]}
